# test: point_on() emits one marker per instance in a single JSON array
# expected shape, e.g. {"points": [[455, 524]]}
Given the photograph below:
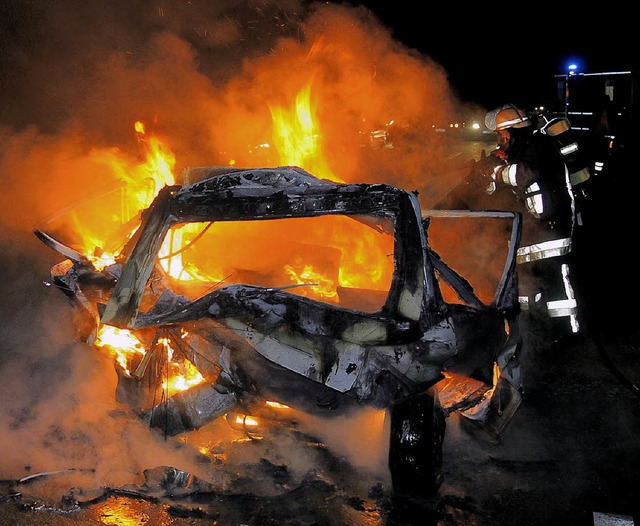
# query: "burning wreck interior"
{"points": [[218, 320], [260, 248]]}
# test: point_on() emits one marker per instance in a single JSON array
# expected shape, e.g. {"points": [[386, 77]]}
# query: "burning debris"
{"points": [[182, 494], [364, 314]]}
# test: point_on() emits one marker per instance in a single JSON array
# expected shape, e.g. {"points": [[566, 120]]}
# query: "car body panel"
{"points": [[271, 342]]}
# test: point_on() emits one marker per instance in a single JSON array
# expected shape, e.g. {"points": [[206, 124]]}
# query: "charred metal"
{"points": [[254, 343]]}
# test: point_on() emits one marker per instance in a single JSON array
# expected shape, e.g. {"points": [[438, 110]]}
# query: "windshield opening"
{"points": [[335, 259]]}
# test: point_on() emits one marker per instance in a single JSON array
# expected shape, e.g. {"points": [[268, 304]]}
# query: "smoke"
{"points": [[204, 76]]}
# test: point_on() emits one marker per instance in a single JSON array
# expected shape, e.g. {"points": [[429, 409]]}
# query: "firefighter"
{"points": [[575, 160], [529, 163]]}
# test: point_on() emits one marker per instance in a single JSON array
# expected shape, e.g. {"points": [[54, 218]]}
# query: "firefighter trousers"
{"points": [[547, 296]]}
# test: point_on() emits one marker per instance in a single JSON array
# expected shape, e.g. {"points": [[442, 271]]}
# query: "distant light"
{"points": [[572, 68]]}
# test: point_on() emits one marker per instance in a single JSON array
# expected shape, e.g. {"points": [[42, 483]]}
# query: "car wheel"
{"points": [[415, 447]]}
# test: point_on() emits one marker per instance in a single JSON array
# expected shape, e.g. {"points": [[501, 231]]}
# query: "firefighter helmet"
{"points": [[506, 116]]}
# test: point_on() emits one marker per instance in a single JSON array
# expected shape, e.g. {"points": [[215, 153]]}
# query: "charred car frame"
{"points": [[253, 343]]}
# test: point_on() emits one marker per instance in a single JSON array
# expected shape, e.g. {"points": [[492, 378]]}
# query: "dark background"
{"points": [[493, 52], [498, 52]]}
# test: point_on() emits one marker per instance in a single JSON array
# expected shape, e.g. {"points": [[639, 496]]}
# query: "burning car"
{"points": [[254, 285]]}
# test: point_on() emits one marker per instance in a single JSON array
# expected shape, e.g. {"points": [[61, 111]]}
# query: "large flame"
{"points": [[297, 136], [138, 185], [343, 253]]}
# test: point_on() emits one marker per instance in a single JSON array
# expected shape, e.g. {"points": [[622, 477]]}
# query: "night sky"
{"points": [[493, 56]]}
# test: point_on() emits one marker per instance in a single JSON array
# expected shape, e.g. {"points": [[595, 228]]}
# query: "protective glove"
{"points": [[492, 166], [500, 154], [488, 163]]}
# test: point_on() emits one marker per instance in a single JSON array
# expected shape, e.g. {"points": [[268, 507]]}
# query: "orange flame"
{"points": [[362, 259], [183, 374], [322, 286], [121, 343], [246, 420], [297, 138], [139, 184], [159, 164]]}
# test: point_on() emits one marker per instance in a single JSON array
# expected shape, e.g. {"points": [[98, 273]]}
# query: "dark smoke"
{"points": [[75, 76]]}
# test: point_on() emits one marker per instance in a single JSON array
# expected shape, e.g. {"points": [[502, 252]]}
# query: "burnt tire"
{"points": [[415, 446]]}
